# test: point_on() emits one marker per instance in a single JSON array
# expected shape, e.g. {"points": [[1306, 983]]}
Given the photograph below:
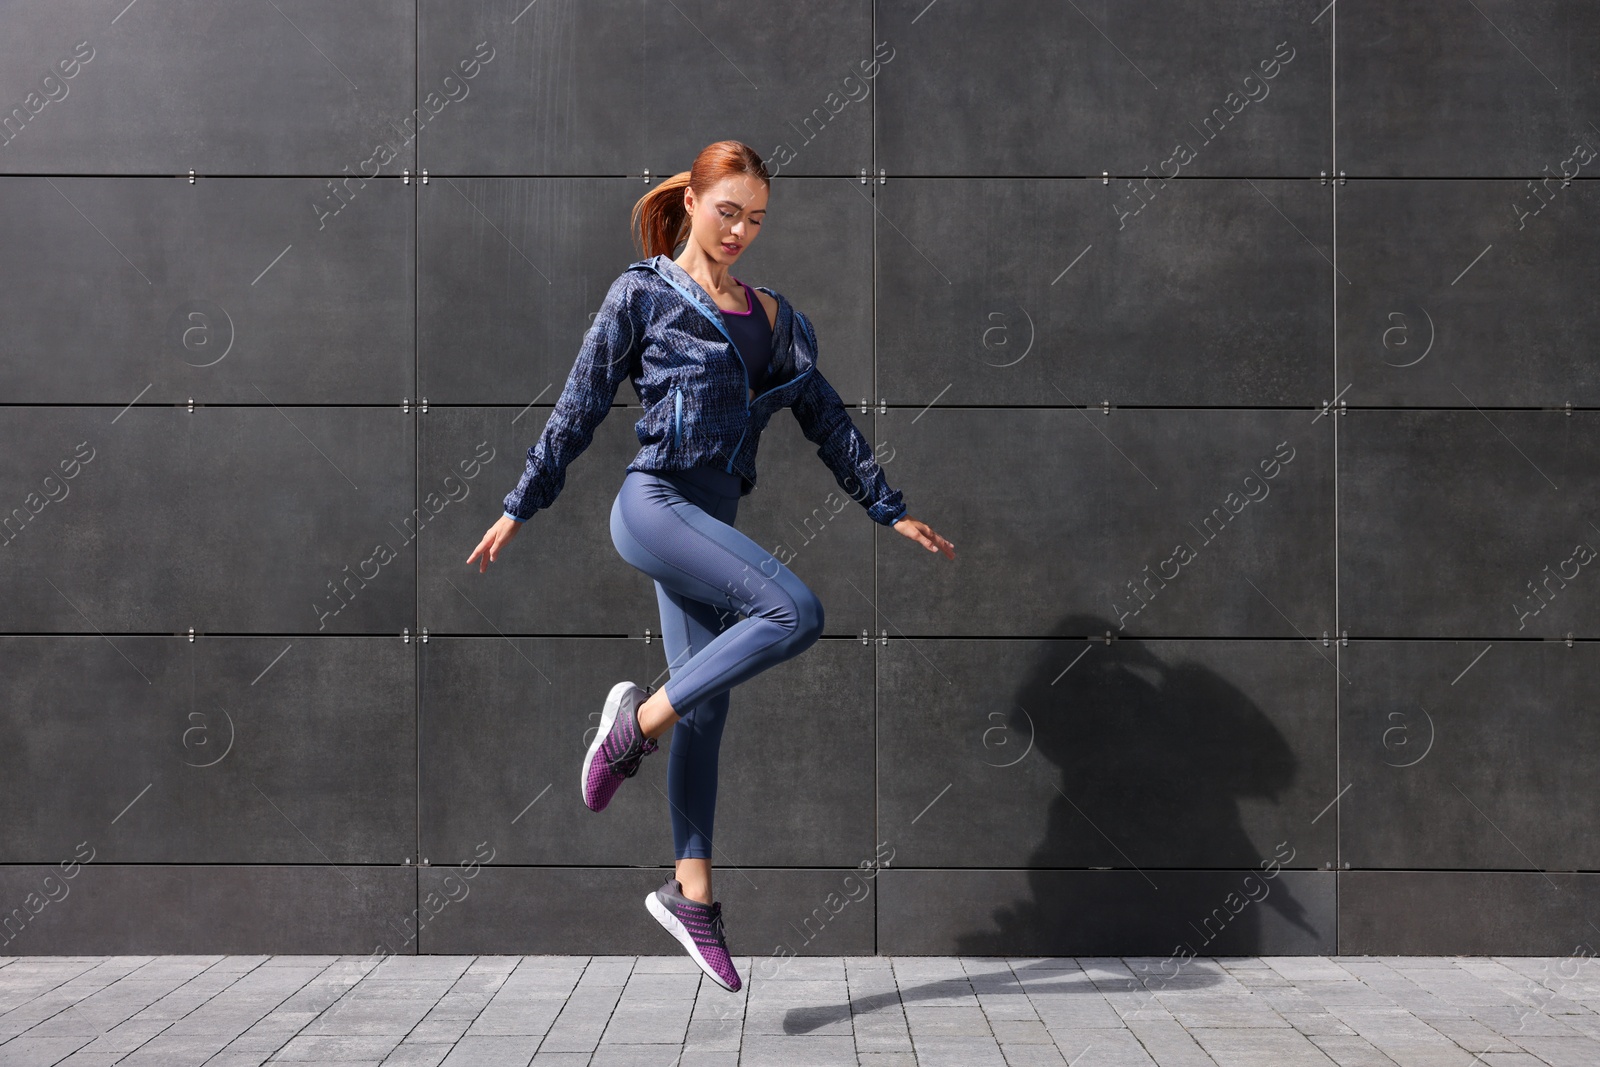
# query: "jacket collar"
{"points": [[784, 334]]}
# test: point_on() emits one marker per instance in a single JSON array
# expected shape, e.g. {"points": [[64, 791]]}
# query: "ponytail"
{"points": [[660, 222]]}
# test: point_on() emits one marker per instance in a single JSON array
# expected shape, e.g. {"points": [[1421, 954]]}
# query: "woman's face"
{"points": [[727, 219]]}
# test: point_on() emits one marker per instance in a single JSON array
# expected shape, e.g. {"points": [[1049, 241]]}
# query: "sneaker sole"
{"points": [[670, 923], [608, 715]]}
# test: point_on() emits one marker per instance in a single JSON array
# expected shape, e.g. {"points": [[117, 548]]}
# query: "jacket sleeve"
{"points": [[826, 422], [609, 354]]}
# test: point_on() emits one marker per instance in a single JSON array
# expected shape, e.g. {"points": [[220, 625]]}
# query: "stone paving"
{"points": [[483, 1011]]}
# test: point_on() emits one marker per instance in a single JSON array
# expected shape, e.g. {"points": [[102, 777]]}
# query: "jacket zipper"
{"points": [[677, 415], [752, 400]]}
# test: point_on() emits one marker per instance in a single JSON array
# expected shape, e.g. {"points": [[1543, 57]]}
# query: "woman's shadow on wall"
{"points": [[1153, 758], [1150, 759]]}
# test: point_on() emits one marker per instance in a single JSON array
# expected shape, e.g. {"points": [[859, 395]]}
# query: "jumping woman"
{"points": [[711, 360]]}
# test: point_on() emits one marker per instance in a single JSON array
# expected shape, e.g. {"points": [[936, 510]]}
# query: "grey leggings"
{"points": [[677, 527]]}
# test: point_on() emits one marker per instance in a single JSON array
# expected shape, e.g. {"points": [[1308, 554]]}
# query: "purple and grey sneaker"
{"points": [[698, 927], [618, 746]]}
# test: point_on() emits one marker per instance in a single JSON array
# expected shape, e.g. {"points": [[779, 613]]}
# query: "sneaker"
{"points": [[698, 927], [618, 746]]}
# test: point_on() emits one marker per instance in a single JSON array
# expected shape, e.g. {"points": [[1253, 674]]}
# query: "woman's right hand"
{"points": [[495, 539]]}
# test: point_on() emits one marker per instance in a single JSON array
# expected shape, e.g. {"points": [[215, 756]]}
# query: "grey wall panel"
{"points": [[1413, 483], [160, 909], [1137, 754], [562, 574], [1143, 523], [811, 524], [796, 782], [64, 522], [513, 272], [1181, 292], [781, 913], [1470, 913], [227, 519], [1477, 744], [348, 477], [293, 87], [245, 291], [1465, 90], [506, 724], [585, 87], [221, 750], [1020, 89], [1453, 299], [1107, 913]]}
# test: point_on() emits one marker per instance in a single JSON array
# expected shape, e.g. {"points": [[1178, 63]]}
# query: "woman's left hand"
{"points": [[924, 535]]}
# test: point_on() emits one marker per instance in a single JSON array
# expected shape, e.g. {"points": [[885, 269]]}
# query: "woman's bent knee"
{"points": [[808, 619]]}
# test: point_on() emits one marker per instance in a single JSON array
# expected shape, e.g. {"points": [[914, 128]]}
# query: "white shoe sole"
{"points": [[608, 715], [670, 923]]}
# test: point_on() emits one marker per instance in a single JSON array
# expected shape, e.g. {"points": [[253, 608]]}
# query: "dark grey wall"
{"points": [[1240, 350]]}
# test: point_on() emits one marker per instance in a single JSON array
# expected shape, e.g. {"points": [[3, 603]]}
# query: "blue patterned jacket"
{"points": [[658, 327]]}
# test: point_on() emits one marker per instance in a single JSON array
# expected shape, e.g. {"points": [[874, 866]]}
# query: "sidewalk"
{"points": [[1356, 1011]]}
